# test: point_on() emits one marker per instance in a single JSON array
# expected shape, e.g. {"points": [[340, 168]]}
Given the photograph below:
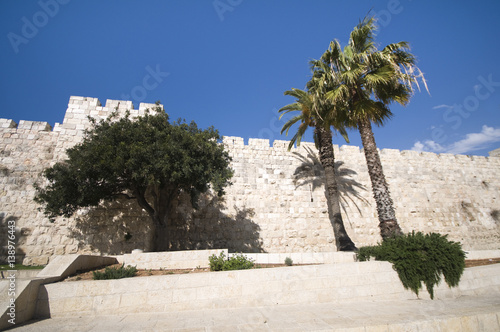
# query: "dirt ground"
{"points": [[480, 262], [143, 273], [87, 275]]}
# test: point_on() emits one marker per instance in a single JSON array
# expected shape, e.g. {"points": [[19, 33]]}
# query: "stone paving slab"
{"points": [[467, 313]]}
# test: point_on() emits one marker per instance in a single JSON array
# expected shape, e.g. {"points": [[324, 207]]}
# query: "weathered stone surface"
{"points": [[275, 204]]}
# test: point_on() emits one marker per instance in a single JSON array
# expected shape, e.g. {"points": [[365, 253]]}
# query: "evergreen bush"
{"points": [[420, 258], [237, 262], [115, 273], [217, 262]]}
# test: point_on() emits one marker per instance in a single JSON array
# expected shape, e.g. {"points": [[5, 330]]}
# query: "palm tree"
{"points": [[314, 108], [366, 80]]}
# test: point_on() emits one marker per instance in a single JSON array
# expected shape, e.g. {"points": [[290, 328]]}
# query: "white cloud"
{"points": [[471, 142], [428, 146], [418, 147], [442, 106], [476, 141]]}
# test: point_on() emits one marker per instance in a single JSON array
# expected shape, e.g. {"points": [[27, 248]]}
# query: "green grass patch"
{"points": [[21, 267]]}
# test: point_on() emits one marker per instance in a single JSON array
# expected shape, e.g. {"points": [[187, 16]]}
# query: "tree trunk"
{"points": [[385, 207], [156, 239], [327, 158], [151, 239], [159, 217]]}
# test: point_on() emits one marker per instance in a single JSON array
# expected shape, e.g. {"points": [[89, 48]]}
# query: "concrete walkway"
{"points": [[466, 313]]}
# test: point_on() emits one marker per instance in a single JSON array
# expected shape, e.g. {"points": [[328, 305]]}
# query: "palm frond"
{"points": [[290, 123], [289, 108], [362, 36]]}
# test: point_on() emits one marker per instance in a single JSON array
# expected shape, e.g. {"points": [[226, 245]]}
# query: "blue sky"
{"points": [[227, 63]]}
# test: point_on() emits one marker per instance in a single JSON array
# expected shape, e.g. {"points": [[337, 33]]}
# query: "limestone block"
{"points": [[76, 99], [40, 260], [233, 141], [258, 142], [392, 153], [7, 123], [348, 149], [157, 297], [281, 144], [144, 106], [26, 125]]}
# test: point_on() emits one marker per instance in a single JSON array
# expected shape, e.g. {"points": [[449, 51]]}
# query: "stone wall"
{"points": [[276, 203]]}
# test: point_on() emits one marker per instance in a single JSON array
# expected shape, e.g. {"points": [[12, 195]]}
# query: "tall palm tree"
{"points": [[366, 80], [314, 108]]}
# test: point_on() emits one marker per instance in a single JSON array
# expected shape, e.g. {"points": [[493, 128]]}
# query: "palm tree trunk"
{"points": [[327, 158], [385, 207]]}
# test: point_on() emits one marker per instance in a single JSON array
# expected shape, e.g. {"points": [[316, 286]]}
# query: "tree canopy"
{"points": [[147, 158]]}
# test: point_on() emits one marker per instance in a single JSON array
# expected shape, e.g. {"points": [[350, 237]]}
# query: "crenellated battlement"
{"points": [[25, 125], [81, 108], [234, 142], [76, 116]]}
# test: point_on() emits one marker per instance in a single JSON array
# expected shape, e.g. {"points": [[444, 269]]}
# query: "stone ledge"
{"points": [[302, 257], [63, 266], [482, 254], [188, 259]]}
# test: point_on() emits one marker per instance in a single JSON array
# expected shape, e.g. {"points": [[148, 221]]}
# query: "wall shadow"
{"points": [[120, 226], [113, 228], [213, 226], [310, 172], [19, 238]]}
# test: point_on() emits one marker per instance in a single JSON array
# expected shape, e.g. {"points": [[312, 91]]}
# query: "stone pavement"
{"points": [[466, 313]]}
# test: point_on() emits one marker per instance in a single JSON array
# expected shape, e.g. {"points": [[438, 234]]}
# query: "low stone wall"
{"points": [[170, 260], [63, 266], [302, 257], [336, 283], [482, 254]]}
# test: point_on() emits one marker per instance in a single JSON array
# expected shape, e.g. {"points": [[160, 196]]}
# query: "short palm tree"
{"points": [[314, 109], [366, 80]]}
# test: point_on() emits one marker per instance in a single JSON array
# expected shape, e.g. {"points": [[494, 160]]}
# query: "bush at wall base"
{"points": [[237, 262], [115, 273], [420, 258]]}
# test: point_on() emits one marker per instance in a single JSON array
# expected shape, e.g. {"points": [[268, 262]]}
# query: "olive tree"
{"points": [[148, 158]]}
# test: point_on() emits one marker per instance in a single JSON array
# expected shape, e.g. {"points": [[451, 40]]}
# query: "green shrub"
{"points": [[420, 258], [288, 261], [217, 262], [115, 273], [237, 262]]}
